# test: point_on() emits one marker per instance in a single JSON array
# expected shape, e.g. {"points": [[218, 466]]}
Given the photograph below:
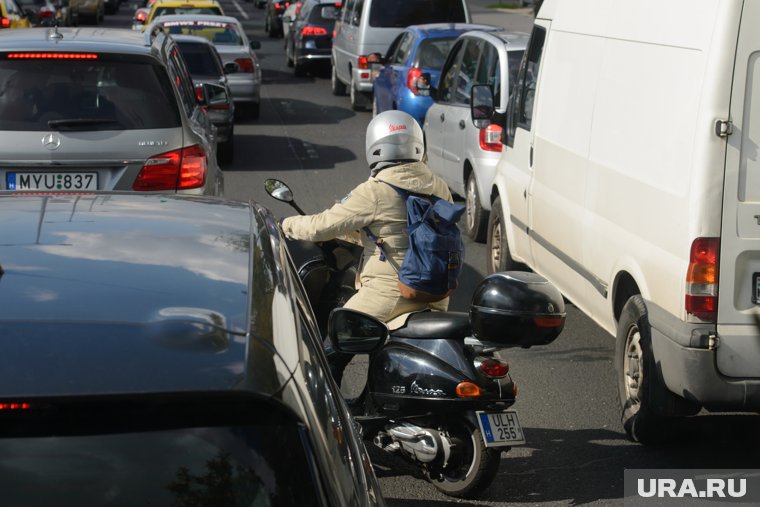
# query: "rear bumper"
{"points": [[693, 374], [362, 79]]}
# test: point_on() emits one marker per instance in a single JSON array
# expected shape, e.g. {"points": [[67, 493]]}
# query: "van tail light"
{"points": [[702, 279], [490, 138], [363, 63], [174, 170], [411, 80], [245, 64], [312, 31], [494, 368]]}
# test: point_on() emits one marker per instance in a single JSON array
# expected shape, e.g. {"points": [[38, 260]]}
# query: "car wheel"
{"points": [[499, 257], [476, 218], [646, 404], [338, 88], [359, 100]]}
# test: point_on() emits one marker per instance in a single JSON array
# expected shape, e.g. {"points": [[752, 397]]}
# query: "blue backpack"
{"points": [[435, 256]]}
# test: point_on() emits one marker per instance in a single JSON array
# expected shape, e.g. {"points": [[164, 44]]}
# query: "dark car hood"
{"points": [[115, 293]]}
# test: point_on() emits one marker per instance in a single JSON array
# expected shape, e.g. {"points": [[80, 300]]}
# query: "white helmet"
{"points": [[393, 135]]}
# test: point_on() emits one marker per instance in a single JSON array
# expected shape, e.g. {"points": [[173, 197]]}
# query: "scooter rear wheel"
{"points": [[473, 469]]}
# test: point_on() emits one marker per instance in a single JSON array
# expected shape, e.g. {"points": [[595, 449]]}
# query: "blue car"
{"points": [[418, 49]]}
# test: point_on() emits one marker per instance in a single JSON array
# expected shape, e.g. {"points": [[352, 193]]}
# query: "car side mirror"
{"points": [[481, 105], [375, 58], [231, 68], [279, 190], [212, 95], [254, 44], [355, 332]]}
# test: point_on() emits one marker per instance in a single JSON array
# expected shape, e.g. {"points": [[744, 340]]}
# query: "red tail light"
{"points": [[363, 63], [5, 23], [411, 79], [245, 64], [312, 31], [702, 279], [199, 93], [141, 16], [490, 138], [494, 368], [46, 13], [52, 56], [15, 406], [175, 170], [298, 7], [281, 6]]}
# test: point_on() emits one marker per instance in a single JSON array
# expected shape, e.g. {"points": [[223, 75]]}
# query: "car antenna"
{"points": [[55, 34]]}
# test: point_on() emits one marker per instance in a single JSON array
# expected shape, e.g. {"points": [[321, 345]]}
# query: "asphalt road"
{"points": [[576, 450]]}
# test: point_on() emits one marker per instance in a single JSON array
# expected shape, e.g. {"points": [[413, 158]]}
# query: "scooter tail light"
{"points": [[548, 321], [468, 390], [493, 368]]}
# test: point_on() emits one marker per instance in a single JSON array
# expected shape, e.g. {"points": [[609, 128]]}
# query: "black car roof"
{"points": [[123, 293]]}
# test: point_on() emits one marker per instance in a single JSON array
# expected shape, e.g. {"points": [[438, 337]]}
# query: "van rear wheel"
{"points": [[338, 88]]}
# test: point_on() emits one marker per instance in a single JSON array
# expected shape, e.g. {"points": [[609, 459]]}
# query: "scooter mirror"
{"points": [[279, 190], [355, 332]]}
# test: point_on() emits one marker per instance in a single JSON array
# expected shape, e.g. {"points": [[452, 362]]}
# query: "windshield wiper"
{"points": [[78, 123]]}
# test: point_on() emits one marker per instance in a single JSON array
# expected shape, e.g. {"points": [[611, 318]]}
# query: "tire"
{"points": [[299, 69], [359, 100], [499, 257], [476, 218], [470, 476], [647, 406], [338, 88]]}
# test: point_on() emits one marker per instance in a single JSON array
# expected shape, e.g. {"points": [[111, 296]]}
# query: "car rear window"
{"points": [[83, 92], [324, 13], [131, 454], [402, 13], [214, 31], [432, 53], [199, 59]]}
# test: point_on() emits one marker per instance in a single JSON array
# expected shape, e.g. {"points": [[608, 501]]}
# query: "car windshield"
{"points": [[200, 59], [218, 33], [93, 93], [432, 52], [90, 458], [402, 13]]}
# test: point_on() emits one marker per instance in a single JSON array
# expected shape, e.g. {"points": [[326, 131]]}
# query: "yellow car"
{"points": [[12, 15], [144, 17]]}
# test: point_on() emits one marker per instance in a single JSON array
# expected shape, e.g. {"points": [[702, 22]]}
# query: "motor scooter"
{"points": [[437, 391]]}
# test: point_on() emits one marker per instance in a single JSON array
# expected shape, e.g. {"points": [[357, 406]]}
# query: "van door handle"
{"points": [[443, 117], [461, 124]]}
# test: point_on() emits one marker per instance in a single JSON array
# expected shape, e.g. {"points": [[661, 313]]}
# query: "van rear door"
{"points": [[738, 353]]}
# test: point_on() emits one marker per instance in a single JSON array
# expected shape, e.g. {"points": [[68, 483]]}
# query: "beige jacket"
{"points": [[379, 207]]}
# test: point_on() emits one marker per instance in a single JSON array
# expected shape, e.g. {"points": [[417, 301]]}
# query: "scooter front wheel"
{"points": [[472, 469]]}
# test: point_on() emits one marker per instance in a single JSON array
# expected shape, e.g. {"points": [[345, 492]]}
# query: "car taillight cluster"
{"points": [[245, 65], [141, 16], [46, 12], [5, 23], [490, 138], [411, 79], [174, 170], [281, 6], [312, 31], [15, 406], [702, 279]]}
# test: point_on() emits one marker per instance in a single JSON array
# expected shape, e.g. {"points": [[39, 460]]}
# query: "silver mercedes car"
{"points": [[90, 109]]}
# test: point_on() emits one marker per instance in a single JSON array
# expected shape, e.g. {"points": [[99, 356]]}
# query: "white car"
{"points": [[462, 155], [238, 54]]}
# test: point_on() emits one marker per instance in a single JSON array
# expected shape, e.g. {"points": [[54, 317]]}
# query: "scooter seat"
{"points": [[435, 326]]}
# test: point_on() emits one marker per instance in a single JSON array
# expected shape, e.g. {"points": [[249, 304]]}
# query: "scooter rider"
{"points": [[394, 150]]}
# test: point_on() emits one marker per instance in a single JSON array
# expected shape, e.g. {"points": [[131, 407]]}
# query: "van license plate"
{"points": [[500, 428], [756, 288], [52, 181]]}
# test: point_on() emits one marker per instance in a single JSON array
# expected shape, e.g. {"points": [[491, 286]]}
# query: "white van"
{"points": [[369, 26], [631, 180]]}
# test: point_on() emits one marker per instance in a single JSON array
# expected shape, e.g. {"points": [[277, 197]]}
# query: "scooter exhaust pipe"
{"points": [[425, 445]]}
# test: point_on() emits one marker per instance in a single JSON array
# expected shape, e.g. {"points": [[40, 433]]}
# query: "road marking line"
{"points": [[240, 9]]}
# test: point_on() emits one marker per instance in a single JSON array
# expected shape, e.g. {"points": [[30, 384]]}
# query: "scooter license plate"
{"points": [[500, 428]]}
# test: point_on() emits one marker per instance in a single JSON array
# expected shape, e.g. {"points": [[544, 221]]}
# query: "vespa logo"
{"points": [[51, 141], [415, 389], [394, 128]]}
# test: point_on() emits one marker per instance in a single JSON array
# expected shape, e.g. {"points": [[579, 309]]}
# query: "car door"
{"points": [[436, 114], [397, 69], [455, 120], [382, 82]]}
